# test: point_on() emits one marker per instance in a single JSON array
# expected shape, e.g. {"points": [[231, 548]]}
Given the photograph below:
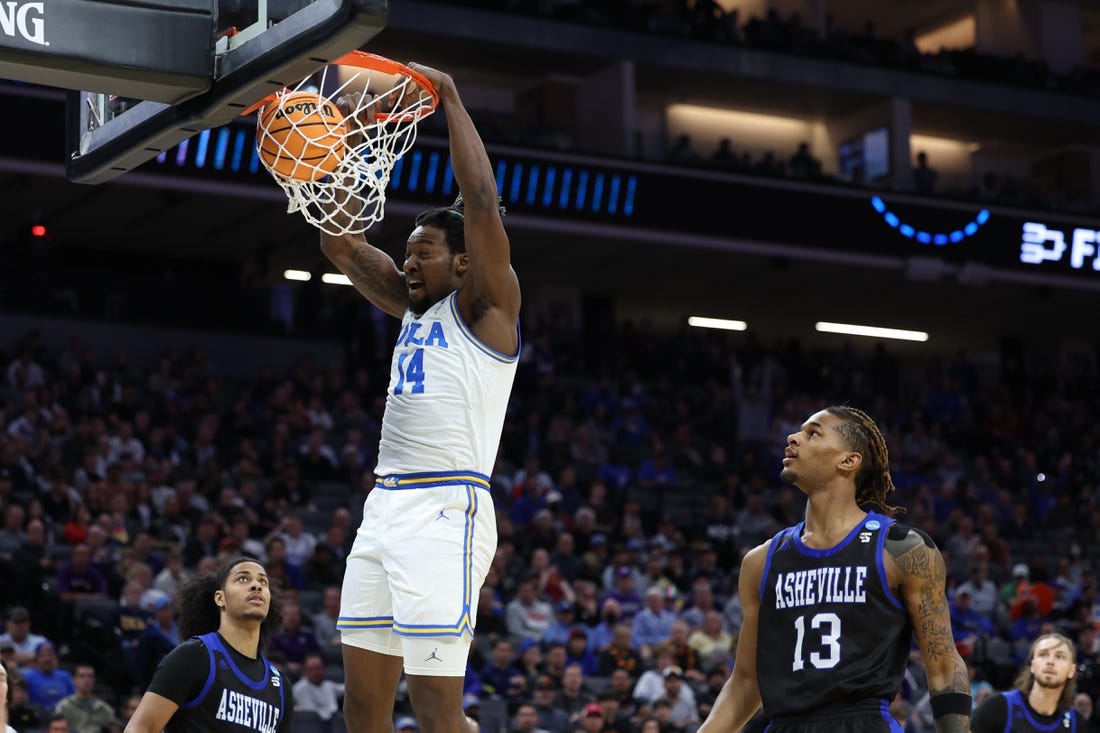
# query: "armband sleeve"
{"points": [[951, 703]]}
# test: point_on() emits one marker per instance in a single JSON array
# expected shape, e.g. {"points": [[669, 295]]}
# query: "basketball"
{"points": [[301, 136]]}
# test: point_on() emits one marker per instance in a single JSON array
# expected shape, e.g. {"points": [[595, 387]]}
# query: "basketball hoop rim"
{"points": [[373, 62]]}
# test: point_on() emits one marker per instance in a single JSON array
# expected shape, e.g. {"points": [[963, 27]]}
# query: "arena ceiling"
{"points": [[656, 276], [660, 277]]}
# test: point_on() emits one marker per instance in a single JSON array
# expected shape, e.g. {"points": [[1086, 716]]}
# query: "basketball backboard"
{"points": [[252, 48]]}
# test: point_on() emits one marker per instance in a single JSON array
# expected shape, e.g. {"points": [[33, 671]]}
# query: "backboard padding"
{"points": [[281, 56]]}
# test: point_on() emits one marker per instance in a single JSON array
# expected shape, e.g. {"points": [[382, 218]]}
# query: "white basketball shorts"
{"points": [[416, 568]]}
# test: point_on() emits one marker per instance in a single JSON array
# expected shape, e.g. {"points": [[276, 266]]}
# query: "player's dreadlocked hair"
{"points": [[873, 480], [451, 220], [199, 614]]}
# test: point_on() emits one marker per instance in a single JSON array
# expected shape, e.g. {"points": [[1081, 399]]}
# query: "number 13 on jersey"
{"points": [[410, 373], [829, 625]]}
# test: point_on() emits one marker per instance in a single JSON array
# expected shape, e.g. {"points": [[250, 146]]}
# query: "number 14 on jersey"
{"points": [[410, 373]]}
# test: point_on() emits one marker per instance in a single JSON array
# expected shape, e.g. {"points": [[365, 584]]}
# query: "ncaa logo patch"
{"points": [[872, 525]]}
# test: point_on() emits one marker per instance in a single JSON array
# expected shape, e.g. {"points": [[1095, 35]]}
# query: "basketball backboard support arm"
{"points": [[279, 56]]}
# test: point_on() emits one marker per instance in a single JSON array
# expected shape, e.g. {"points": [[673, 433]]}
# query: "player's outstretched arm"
{"points": [[918, 570], [373, 272], [152, 714], [491, 290], [740, 696]]}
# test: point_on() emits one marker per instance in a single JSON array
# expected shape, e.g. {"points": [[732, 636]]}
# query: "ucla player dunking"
{"points": [[830, 605], [217, 680], [429, 530]]}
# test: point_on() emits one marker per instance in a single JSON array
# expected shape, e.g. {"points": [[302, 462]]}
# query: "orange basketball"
{"points": [[301, 136]]}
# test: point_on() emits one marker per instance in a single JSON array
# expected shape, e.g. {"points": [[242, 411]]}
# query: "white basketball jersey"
{"points": [[447, 397]]}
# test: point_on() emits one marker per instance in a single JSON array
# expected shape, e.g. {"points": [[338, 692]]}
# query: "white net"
{"points": [[335, 171]]}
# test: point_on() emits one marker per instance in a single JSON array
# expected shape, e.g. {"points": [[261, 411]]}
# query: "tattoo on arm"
{"points": [[953, 724], [375, 274], [916, 559]]}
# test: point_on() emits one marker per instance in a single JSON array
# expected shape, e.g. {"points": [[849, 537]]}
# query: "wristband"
{"points": [[951, 703]]}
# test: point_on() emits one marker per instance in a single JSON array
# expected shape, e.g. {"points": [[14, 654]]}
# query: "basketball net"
{"points": [[379, 128]]}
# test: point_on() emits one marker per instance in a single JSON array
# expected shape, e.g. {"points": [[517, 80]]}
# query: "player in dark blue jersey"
{"points": [[1042, 699], [831, 604], [217, 680]]}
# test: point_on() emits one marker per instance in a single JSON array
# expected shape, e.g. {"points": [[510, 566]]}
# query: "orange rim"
{"points": [[374, 62]]}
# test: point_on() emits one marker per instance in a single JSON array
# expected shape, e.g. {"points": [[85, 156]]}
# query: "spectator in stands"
{"points": [[24, 715], [160, 636], [12, 535], [572, 696], [500, 678], [130, 621], [552, 662], [682, 151], [47, 685], [980, 688], [78, 578], [802, 165], [57, 724], [716, 679], [25, 373], [315, 694], [754, 524], [7, 656], [324, 620], [552, 717], [683, 655], [526, 720], [969, 627], [651, 683], [578, 652], [1026, 627], [531, 664], [702, 603], [85, 712], [528, 616], [662, 715], [624, 593], [295, 640], [18, 632], [564, 621], [653, 624], [1083, 705], [279, 569], [173, 576], [127, 710], [620, 653], [323, 568], [240, 530], [299, 542], [59, 499], [204, 541], [564, 557], [723, 156], [317, 460], [924, 176], [712, 642], [1088, 661], [984, 597], [551, 584], [683, 711], [591, 719]]}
